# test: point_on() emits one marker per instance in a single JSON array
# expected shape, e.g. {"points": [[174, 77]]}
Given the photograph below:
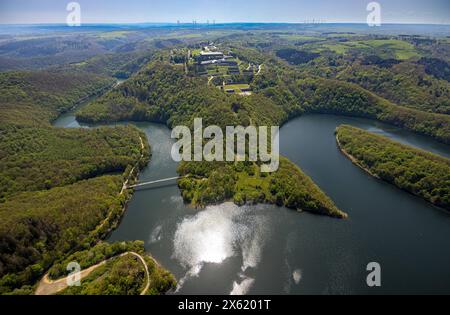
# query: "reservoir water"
{"points": [[270, 250]]}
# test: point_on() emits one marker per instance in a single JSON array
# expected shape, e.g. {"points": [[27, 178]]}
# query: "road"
{"points": [[259, 70], [49, 287]]}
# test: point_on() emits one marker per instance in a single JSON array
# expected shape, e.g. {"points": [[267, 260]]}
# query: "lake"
{"points": [[265, 249]]}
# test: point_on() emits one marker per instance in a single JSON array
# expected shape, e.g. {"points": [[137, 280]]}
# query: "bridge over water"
{"points": [[155, 182]]}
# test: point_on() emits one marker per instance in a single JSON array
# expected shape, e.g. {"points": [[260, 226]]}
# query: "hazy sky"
{"points": [[138, 11]]}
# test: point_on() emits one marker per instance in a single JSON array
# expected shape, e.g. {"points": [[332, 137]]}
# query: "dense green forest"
{"points": [[417, 83], [243, 183], [39, 227], [118, 65], [121, 275], [34, 159], [295, 56], [94, 51], [297, 94], [418, 172], [38, 97], [334, 97], [59, 189], [405, 84], [164, 93], [92, 256]]}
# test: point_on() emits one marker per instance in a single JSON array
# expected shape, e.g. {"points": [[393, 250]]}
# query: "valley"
{"points": [[72, 140]]}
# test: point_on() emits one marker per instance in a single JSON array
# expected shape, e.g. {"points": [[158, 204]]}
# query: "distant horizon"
{"points": [[217, 23], [22, 12]]}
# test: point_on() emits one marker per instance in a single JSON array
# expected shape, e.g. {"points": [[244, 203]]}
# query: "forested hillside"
{"points": [[334, 97], [56, 186], [36, 98], [34, 159], [39, 227], [397, 69], [123, 274], [118, 65], [330, 96], [407, 84], [416, 171], [163, 93], [61, 191]]}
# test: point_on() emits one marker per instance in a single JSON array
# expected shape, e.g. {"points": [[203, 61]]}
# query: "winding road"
{"points": [[49, 287]]}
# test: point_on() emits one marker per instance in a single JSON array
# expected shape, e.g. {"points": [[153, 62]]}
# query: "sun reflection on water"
{"points": [[216, 234]]}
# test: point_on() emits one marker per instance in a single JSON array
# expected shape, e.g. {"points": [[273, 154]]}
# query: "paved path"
{"points": [[125, 184]]}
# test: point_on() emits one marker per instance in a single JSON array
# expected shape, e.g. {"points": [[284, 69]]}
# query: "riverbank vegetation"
{"points": [[124, 275], [164, 93], [39, 227], [38, 97], [341, 98], [297, 92], [92, 256], [60, 190], [41, 158], [421, 173], [243, 183]]}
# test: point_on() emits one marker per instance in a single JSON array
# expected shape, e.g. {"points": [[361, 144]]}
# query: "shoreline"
{"points": [[354, 160], [366, 170], [116, 219], [84, 101]]}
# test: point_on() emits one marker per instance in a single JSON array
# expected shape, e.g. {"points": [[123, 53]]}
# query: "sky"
{"points": [[224, 11]]}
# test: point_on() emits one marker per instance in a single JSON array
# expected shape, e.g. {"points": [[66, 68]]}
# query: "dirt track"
{"points": [[49, 287]]}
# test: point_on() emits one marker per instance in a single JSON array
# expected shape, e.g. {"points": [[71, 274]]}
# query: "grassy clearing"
{"points": [[237, 87], [217, 70], [385, 48], [340, 48], [196, 52], [401, 49]]}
